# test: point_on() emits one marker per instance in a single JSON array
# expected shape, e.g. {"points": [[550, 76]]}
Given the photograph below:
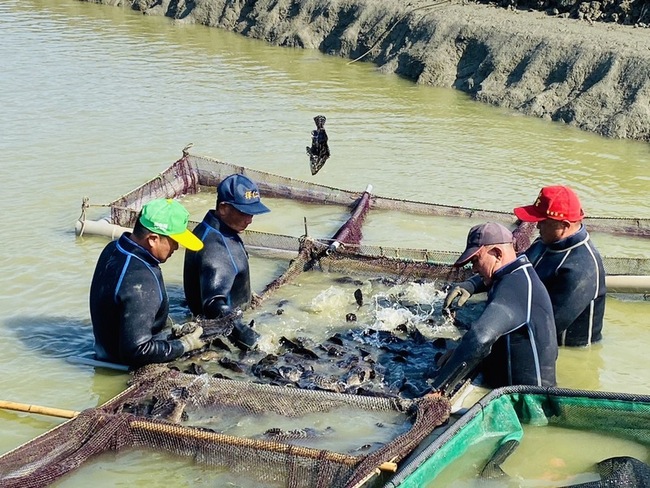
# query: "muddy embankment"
{"points": [[582, 63]]}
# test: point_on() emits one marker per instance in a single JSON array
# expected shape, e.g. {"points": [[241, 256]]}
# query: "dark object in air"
{"points": [[319, 151]]}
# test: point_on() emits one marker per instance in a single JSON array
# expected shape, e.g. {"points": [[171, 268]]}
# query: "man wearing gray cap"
{"points": [[513, 341], [216, 279], [566, 261]]}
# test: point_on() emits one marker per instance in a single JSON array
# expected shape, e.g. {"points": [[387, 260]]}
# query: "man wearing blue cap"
{"points": [[216, 279], [128, 299]]}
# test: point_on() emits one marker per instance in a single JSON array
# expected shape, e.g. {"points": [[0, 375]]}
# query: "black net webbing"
{"points": [[193, 173], [133, 420], [619, 472]]}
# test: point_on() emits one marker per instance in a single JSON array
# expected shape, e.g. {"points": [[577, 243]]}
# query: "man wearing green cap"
{"points": [[128, 299]]}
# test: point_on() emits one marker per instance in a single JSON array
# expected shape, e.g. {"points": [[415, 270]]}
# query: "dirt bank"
{"points": [[591, 74]]}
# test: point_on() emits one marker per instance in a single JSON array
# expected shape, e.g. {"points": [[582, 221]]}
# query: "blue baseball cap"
{"points": [[240, 192]]}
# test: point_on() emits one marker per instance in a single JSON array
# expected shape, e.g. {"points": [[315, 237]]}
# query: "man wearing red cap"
{"points": [[216, 279], [568, 264], [513, 341]]}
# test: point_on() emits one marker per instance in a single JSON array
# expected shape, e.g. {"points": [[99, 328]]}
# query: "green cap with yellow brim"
{"points": [[168, 217]]}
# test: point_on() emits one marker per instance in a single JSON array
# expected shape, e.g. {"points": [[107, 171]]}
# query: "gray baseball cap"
{"points": [[483, 235]]}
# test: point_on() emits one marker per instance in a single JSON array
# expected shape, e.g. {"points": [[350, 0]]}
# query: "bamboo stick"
{"points": [[255, 443], [226, 439], [24, 407]]}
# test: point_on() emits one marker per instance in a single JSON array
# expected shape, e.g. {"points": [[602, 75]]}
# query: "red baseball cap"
{"points": [[553, 202]]}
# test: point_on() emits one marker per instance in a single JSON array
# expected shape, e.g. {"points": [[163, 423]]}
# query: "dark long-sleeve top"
{"points": [[514, 339], [129, 306], [216, 278], [572, 271]]}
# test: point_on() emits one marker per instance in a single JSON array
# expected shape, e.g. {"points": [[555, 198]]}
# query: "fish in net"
{"points": [[162, 410], [619, 472]]}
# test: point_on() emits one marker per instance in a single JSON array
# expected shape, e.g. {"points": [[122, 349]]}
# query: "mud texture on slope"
{"points": [[583, 63]]}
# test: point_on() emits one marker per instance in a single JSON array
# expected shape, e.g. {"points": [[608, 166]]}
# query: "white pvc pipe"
{"points": [[99, 228], [615, 284], [628, 284]]}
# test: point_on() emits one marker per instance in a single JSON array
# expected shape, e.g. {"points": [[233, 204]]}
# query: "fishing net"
{"points": [[192, 174], [497, 420], [161, 405], [161, 408], [313, 255]]}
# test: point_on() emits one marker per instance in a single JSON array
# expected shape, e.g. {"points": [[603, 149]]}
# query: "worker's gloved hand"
{"points": [[216, 308], [179, 330], [256, 300], [193, 340], [243, 336], [460, 291]]}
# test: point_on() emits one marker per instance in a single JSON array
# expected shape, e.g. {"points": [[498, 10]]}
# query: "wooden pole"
{"points": [[24, 407], [254, 443], [226, 439]]}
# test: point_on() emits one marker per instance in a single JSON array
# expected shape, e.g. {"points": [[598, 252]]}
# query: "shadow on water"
{"points": [[62, 337], [57, 337]]}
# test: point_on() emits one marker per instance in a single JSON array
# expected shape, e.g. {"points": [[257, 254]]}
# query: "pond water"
{"points": [[97, 100]]}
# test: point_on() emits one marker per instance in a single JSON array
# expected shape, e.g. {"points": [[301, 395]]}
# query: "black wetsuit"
{"points": [[573, 273], [216, 278], [129, 305], [514, 339]]}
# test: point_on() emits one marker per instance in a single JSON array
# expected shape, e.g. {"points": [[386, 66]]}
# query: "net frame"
{"points": [[114, 427], [192, 174], [500, 414]]}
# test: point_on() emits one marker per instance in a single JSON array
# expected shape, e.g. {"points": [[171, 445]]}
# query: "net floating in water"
{"points": [[192, 174], [114, 426]]}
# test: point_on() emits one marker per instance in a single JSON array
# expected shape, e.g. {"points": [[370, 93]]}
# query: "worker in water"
{"points": [[128, 299], [513, 341], [216, 278], [566, 261]]}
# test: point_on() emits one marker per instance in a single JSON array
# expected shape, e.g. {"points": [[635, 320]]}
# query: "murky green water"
{"points": [[96, 100], [548, 456]]}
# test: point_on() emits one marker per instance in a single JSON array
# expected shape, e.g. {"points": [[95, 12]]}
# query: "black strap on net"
{"points": [[619, 472], [492, 469]]}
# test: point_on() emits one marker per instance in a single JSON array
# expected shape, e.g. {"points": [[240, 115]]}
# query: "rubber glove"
{"points": [[462, 291], [216, 308], [193, 340], [179, 330]]}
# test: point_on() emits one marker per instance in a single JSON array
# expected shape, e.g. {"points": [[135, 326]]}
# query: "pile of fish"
{"points": [[361, 360]]}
